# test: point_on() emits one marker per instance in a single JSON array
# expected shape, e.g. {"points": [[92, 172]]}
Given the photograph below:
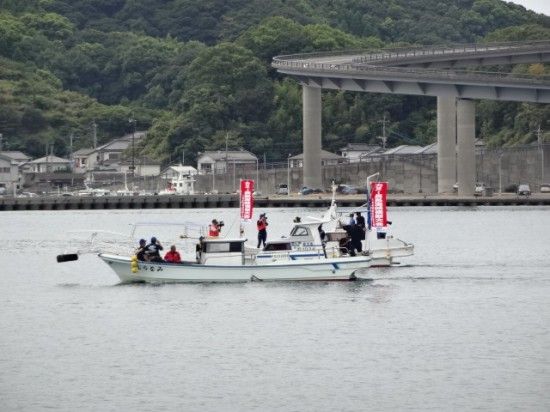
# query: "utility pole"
{"points": [[383, 137], [94, 133], [71, 138], [226, 144], [500, 172], [288, 175], [539, 139], [1, 140], [48, 157], [132, 122]]}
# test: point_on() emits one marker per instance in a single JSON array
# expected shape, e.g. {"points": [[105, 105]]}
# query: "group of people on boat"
{"points": [[356, 230], [151, 252], [215, 227]]}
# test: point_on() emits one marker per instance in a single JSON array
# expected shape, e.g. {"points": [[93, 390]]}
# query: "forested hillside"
{"points": [[196, 73]]}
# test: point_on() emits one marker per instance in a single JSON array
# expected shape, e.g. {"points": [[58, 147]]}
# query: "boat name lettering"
{"points": [[302, 245], [151, 268]]}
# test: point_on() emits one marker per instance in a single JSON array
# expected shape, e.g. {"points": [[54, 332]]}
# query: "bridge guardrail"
{"points": [[416, 73], [464, 49], [418, 49]]}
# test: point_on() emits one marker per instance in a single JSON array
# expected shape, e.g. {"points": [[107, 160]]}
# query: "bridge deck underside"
{"points": [[425, 87]]}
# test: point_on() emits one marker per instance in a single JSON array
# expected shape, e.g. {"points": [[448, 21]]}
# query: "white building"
{"points": [[223, 162], [107, 155], [19, 157], [356, 152], [143, 166], [9, 174], [172, 172], [83, 158], [327, 159], [49, 164]]}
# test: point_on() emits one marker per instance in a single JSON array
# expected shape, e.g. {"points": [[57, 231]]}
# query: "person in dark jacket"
{"points": [[152, 250], [354, 238], [140, 251], [360, 221]]}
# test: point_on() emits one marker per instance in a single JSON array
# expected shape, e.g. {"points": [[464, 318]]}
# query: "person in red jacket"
{"points": [[261, 225], [214, 228], [173, 255]]}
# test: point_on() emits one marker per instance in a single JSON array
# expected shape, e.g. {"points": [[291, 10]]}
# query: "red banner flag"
{"points": [[247, 199], [378, 194]]}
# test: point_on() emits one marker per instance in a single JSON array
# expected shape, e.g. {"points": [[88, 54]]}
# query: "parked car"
{"points": [[27, 194], [347, 190], [479, 189], [283, 189], [308, 190], [545, 188], [524, 190]]}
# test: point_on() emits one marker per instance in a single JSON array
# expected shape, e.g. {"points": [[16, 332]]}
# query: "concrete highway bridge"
{"points": [[445, 72]]}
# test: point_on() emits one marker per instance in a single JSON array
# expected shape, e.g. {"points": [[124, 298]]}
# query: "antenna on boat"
{"points": [[334, 187], [377, 174]]}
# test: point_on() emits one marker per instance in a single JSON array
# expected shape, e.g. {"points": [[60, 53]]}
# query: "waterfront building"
{"points": [[223, 161]]}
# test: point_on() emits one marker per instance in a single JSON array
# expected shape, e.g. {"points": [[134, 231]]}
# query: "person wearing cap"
{"points": [[140, 251], [152, 250], [214, 228], [261, 225]]}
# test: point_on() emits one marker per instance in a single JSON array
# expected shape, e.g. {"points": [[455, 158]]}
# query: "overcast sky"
{"points": [[540, 6]]}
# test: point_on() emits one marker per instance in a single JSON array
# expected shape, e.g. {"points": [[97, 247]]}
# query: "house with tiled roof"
{"points": [[222, 161], [108, 155], [49, 164], [356, 152], [9, 174], [327, 159]]}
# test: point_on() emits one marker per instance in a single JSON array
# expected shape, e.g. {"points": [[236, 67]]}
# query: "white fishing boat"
{"points": [[182, 184], [327, 237], [225, 260], [315, 249]]}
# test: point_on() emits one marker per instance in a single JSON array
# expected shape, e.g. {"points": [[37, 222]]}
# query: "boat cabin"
{"points": [[217, 251]]}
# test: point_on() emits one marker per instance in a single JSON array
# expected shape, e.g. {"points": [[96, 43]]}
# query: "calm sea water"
{"points": [[462, 325]]}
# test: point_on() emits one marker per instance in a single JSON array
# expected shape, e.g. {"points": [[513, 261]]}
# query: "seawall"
{"points": [[232, 200]]}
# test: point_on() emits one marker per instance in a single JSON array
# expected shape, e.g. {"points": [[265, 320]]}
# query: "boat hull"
{"points": [[150, 272]]}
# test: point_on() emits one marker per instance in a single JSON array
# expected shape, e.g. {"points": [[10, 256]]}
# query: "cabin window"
{"points": [[300, 231], [220, 247], [277, 246]]}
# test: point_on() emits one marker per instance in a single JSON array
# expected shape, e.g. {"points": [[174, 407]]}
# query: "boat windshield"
{"points": [[300, 231]]}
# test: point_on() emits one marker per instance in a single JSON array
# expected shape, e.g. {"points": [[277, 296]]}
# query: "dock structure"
{"points": [[232, 200]]}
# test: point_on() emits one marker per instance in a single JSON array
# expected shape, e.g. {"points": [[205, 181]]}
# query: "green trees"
{"points": [[225, 91]]}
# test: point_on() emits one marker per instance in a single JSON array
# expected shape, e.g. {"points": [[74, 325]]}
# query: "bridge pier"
{"points": [[446, 144], [466, 171], [311, 105]]}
